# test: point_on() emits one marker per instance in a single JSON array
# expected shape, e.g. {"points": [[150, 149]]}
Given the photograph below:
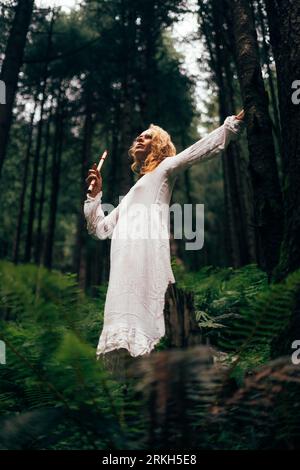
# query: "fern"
{"points": [[50, 329], [56, 395], [240, 313], [219, 296], [262, 319]]}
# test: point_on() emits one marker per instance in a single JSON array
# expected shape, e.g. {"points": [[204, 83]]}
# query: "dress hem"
{"points": [[118, 341]]}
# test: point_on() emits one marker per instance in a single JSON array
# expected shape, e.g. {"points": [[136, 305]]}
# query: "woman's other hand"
{"points": [[95, 176], [241, 115]]}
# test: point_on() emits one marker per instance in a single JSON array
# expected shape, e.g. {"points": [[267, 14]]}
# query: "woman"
{"points": [[140, 266]]}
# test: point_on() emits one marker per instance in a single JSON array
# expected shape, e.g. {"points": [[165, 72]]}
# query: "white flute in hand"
{"points": [[98, 168]]}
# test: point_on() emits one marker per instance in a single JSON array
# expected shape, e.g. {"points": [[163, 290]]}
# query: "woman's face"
{"points": [[142, 145]]}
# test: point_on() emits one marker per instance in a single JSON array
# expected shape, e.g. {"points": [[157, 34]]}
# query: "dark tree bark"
{"points": [[149, 39], [240, 236], [240, 163], [182, 329], [39, 235], [266, 59], [11, 67], [16, 252], [33, 198], [236, 236], [55, 182], [124, 173], [213, 45], [284, 21], [79, 254], [263, 167]]}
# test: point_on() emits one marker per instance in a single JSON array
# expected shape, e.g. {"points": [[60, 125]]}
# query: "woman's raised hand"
{"points": [[241, 115], [95, 176]]}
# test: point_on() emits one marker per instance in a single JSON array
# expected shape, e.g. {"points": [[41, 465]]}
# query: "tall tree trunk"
{"points": [[39, 235], [149, 37], [31, 217], [124, 175], [263, 167], [33, 196], [79, 254], [238, 232], [55, 181], [11, 67], [266, 59], [16, 251], [240, 163], [284, 20]]}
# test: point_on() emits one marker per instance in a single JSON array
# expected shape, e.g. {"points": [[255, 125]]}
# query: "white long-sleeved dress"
{"points": [[140, 263]]}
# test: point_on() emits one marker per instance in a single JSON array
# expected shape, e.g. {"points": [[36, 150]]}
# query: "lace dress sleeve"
{"points": [[99, 225], [206, 148]]}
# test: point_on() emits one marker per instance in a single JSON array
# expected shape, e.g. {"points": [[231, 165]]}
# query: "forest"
{"points": [[77, 78]]}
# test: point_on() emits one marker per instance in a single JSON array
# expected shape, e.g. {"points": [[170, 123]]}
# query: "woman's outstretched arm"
{"points": [[99, 225], [208, 147]]}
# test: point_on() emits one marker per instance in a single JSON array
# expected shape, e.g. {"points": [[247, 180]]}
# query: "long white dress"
{"points": [[140, 264]]}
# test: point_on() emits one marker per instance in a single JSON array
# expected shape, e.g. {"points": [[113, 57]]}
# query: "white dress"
{"points": [[140, 264]]}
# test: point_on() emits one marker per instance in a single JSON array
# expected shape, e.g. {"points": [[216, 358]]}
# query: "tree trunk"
{"points": [[182, 329], [56, 163], [79, 254], [33, 196], [124, 174], [263, 167], [249, 244], [284, 20], [238, 233], [266, 60], [23, 191], [39, 236], [11, 67]]}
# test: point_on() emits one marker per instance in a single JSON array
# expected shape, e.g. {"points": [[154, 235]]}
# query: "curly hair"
{"points": [[161, 147]]}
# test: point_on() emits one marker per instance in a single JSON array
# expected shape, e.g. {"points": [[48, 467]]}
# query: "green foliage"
{"points": [[50, 330], [239, 312], [220, 294], [261, 321], [56, 395], [163, 344]]}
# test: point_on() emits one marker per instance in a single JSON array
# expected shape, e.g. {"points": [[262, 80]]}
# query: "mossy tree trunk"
{"points": [[263, 167], [284, 21]]}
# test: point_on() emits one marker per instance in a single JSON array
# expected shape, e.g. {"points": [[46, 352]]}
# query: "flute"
{"points": [[98, 168]]}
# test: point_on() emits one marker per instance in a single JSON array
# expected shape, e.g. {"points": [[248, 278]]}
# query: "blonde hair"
{"points": [[161, 147]]}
